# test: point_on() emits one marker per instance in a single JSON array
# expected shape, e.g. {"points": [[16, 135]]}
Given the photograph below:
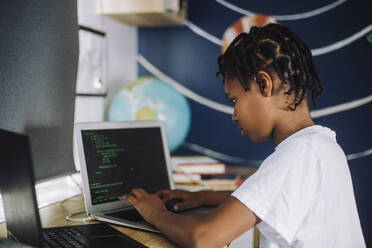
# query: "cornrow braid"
{"points": [[273, 47]]}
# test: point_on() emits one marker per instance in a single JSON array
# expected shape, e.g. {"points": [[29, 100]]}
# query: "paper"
{"points": [[2, 217], [92, 70]]}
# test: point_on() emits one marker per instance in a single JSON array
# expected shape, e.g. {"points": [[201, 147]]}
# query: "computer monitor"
{"points": [[39, 58]]}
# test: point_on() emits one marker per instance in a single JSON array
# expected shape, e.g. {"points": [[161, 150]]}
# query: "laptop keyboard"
{"points": [[128, 214], [63, 237]]}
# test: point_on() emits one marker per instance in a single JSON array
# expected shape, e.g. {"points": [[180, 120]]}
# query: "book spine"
{"points": [[202, 169]]}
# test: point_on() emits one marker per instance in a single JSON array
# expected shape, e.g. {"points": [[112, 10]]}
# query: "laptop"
{"points": [[17, 185], [116, 157]]}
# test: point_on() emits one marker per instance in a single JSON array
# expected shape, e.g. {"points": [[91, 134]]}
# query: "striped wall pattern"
{"points": [[336, 32]]}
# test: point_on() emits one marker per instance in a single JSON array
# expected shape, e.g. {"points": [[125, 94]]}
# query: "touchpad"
{"points": [[98, 231], [114, 242]]}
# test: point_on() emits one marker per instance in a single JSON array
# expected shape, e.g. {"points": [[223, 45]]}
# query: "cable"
{"points": [[76, 182], [85, 219], [10, 236]]}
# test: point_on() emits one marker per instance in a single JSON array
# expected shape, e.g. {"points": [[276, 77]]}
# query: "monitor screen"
{"points": [[39, 61], [119, 160]]}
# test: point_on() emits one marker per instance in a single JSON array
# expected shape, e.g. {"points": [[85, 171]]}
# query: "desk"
{"points": [[54, 215]]}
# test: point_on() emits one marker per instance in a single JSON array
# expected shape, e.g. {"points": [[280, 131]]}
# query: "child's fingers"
{"points": [[138, 192], [123, 197], [166, 194], [133, 200], [176, 195], [184, 205], [160, 194], [163, 193], [134, 193]]}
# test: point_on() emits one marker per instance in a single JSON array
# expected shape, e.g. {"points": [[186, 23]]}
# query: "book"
{"points": [[182, 178], [206, 168], [198, 165], [223, 180], [212, 182]]}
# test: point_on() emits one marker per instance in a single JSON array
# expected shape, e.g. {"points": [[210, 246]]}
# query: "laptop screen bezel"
{"points": [[17, 184], [79, 127]]}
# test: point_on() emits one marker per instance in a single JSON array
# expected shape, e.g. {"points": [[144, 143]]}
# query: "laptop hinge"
{"points": [[117, 209]]}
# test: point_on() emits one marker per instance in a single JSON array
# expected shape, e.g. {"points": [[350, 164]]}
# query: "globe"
{"points": [[149, 98]]}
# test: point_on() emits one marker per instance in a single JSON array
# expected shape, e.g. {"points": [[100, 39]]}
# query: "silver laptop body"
{"points": [[110, 148]]}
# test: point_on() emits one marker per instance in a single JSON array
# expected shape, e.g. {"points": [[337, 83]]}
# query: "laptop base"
{"points": [[91, 235]]}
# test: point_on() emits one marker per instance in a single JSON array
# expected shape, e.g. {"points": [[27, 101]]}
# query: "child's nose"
{"points": [[234, 117]]}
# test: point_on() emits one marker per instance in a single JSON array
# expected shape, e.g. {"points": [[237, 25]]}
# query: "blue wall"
{"points": [[190, 59]]}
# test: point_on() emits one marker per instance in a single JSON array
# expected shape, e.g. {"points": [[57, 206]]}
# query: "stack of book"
{"points": [[190, 169], [202, 171]]}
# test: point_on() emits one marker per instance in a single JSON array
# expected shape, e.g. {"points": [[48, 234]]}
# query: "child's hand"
{"points": [[189, 199], [145, 203]]}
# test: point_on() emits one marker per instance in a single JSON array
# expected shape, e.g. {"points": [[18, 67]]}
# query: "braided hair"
{"points": [[272, 48]]}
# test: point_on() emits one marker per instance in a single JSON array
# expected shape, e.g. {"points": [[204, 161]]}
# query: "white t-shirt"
{"points": [[304, 195]]}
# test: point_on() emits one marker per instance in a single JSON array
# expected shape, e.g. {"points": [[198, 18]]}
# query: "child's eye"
{"points": [[232, 100]]}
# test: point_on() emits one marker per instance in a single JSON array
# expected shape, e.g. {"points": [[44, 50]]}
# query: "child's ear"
{"points": [[265, 83]]}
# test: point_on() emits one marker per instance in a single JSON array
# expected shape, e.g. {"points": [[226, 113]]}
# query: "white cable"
{"points": [[284, 17], [12, 237], [85, 219]]}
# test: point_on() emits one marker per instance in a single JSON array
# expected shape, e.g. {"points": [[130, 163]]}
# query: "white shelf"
{"points": [[145, 13]]}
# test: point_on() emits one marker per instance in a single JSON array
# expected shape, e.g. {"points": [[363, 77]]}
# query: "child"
{"points": [[302, 194]]}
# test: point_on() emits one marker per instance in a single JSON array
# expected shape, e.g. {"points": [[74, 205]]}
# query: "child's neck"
{"points": [[292, 122]]}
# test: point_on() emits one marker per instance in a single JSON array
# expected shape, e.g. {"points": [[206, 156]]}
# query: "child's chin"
{"points": [[256, 138]]}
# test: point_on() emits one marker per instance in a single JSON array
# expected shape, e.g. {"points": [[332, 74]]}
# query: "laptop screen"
{"points": [[119, 160]]}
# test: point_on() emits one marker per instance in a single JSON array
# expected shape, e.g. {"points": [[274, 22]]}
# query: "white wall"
{"points": [[122, 66]]}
